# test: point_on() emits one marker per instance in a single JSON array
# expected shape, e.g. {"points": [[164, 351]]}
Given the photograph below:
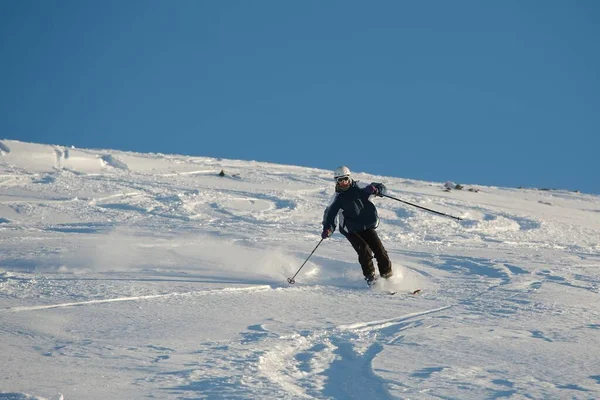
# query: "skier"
{"points": [[357, 222]]}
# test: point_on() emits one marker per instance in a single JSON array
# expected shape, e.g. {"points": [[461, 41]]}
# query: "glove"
{"points": [[326, 233], [372, 189]]}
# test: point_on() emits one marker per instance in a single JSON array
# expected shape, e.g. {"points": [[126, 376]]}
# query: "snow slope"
{"points": [[132, 276]]}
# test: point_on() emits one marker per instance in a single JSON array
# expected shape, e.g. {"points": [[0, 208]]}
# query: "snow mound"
{"points": [[4, 148], [112, 161]]}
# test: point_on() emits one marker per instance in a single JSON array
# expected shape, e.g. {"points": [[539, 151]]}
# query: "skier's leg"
{"points": [[365, 256], [383, 260]]}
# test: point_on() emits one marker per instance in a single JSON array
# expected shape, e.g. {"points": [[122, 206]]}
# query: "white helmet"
{"points": [[341, 171]]}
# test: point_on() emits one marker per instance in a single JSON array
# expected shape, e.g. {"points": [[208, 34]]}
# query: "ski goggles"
{"points": [[342, 179]]}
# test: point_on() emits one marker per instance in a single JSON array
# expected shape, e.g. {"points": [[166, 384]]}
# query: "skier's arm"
{"points": [[330, 214], [373, 188], [381, 189]]}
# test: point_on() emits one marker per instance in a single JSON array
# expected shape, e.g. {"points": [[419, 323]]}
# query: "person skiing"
{"points": [[358, 219]]}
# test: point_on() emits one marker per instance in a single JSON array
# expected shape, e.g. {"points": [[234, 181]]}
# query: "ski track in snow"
{"points": [[137, 298], [334, 362], [376, 325], [168, 281]]}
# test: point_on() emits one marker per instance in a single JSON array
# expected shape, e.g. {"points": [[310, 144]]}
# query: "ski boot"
{"points": [[371, 280]]}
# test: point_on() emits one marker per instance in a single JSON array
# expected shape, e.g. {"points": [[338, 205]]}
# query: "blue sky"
{"points": [[503, 93]]}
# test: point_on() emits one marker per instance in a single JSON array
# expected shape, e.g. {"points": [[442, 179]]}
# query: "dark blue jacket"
{"points": [[353, 208]]}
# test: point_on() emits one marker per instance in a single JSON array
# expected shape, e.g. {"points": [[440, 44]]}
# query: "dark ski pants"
{"points": [[366, 243]]}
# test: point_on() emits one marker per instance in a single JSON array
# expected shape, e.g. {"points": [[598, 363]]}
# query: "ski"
{"points": [[412, 292], [393, 292]]}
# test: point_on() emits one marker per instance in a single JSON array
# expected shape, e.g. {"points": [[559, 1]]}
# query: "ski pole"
{"points": [[422, 208], [291, 280]]}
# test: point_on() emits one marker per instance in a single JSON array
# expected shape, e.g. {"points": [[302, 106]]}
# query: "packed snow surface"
{"points": [[135, 276]]}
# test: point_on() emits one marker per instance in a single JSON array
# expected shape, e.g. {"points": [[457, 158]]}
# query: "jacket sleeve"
{"points": [[380, 186], [330, 215]]}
